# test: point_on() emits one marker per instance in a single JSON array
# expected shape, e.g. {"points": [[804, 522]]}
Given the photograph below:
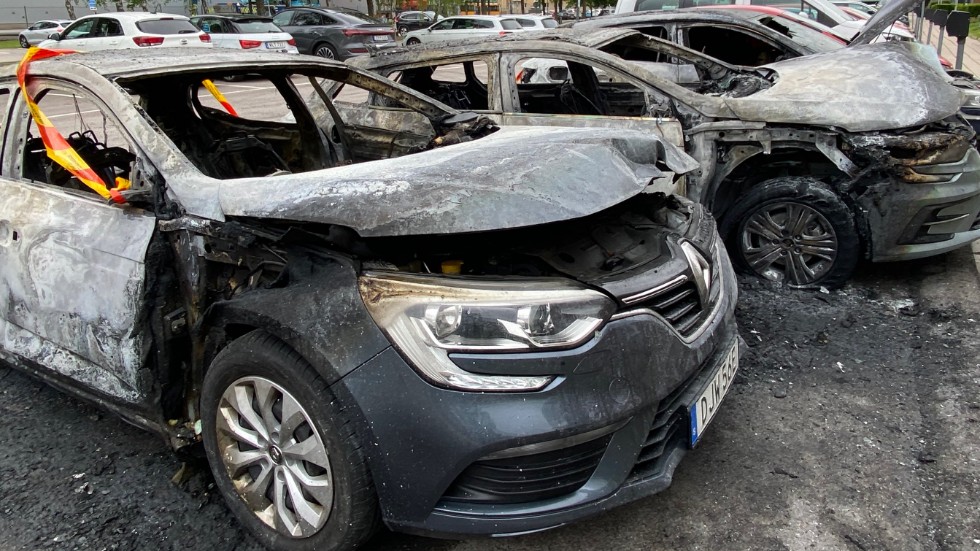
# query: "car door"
{"points": [[73, 275], [79, 34], [109, 34], [436, 32], [553, 97], [305, 26]]}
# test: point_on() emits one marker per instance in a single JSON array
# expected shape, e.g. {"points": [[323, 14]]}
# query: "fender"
{"points": [[319, 313]]}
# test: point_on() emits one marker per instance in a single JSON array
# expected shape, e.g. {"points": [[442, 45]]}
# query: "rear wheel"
{"points": [[402, 30], [794, 230], [325, 50], [24, 43], [282, 452]]}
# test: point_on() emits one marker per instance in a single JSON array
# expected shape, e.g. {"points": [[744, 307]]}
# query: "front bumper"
{"points": [[636, 373], [915, 220]]}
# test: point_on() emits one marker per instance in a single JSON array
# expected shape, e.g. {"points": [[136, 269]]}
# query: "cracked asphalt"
{"points": [[852, 425]]}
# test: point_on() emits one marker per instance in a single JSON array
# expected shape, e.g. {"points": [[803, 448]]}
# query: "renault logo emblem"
{"points": [[700, 270]]}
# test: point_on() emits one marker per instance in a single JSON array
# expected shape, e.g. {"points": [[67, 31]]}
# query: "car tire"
{"points": [[23, 42], [412, 42], [312, 453], [795, 230], [402, 30], [325, 50]]}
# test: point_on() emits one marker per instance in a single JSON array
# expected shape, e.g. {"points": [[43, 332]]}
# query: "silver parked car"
{"points": [[40, 30]]}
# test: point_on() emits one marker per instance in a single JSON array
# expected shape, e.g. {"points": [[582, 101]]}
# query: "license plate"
{"points": [[709, 402], [382, 38], [275, 45]]}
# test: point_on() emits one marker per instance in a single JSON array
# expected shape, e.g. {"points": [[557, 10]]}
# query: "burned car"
{"points": [[809, 164], [392, 313]]}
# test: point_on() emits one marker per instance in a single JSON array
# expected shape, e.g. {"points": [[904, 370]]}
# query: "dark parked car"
{"points": [[810, 164], [398, 313], [334, 33], [414, 20]]}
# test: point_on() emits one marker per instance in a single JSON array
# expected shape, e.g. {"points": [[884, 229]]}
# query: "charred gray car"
{"points": [[809, 164], [385, 313]]}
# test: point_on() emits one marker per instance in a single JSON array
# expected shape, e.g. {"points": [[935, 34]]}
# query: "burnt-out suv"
{"points": [[399, 313]]}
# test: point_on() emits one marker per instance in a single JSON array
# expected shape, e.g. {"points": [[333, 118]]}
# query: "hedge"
{"points": [[972, 9]]}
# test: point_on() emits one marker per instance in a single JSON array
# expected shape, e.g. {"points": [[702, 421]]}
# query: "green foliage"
{"points": [[972, 9]]}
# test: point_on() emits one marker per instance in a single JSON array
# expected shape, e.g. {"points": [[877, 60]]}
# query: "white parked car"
{"points": [[110, 31], [464, 26], [39, 31], [536, 22], [246, 32]]}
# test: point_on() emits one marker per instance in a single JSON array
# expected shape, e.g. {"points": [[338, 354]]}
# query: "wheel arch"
{"points": [[319, 314]]}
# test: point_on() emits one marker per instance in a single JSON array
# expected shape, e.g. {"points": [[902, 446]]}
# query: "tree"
{"points": [[70, 8]]}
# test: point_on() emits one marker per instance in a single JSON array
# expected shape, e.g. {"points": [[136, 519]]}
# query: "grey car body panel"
{"points": [[876, 87], [578, 172], [320, 314], [51, 241], [585, 399]]}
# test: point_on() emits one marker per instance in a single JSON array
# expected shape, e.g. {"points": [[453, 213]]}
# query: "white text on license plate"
{"points": [[704, 409], [275, 45], [381, 38]]}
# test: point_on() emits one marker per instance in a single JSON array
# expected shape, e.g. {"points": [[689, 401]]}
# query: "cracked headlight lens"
{"points": [[427, 318]]}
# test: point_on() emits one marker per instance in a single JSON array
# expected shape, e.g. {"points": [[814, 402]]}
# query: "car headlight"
{"points": [[427, 318], [972, 97]]}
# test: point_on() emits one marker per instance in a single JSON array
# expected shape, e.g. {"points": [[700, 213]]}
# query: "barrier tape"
{"points": [[220, 97], [57, 147]]}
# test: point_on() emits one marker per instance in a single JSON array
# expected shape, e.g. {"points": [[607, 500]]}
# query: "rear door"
{"points": [[305, 26]]}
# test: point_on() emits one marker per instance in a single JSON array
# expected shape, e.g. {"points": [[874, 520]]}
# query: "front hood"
{"points": [[886, 16], [864, 88], [516, 177]]}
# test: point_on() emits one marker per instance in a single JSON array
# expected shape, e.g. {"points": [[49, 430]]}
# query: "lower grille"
{"points": [[528, 478], [670, 426]]}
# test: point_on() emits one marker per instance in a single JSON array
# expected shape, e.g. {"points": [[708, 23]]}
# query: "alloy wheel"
{"points": [[325, 51], [789, 242], [24, 43], [276, 460]]}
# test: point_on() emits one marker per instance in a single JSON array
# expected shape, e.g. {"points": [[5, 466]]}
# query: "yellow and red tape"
{"points": [[57, 147], [219, 96]]}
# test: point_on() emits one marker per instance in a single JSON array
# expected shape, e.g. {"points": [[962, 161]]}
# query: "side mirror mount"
{"points": [[55, 36]]}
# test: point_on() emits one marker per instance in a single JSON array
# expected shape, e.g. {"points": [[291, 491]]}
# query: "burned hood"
{"points": [[516, 177], [863, 88], [885, 17]]}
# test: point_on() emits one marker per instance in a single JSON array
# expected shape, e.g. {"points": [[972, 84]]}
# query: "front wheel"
{"points": [[413, 42], [402, 30], [282, 452], [24, 43], [794, 230]]}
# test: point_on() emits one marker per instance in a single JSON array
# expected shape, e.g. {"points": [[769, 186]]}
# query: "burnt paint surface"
{"points": [[482, 185], [71, 286]]}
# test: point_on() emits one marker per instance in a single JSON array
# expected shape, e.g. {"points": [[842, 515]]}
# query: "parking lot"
{"points": [[851, 425]]}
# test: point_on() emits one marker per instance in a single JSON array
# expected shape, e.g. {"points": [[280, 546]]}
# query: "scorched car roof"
{"points": [[131, 63]]}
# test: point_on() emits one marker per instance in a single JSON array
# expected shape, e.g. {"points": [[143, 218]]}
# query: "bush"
{"points": [[972, 9]]}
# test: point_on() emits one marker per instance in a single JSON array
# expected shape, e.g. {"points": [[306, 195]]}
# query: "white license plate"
{"points": [[275, 45], [708, 404], [382, 38]]}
